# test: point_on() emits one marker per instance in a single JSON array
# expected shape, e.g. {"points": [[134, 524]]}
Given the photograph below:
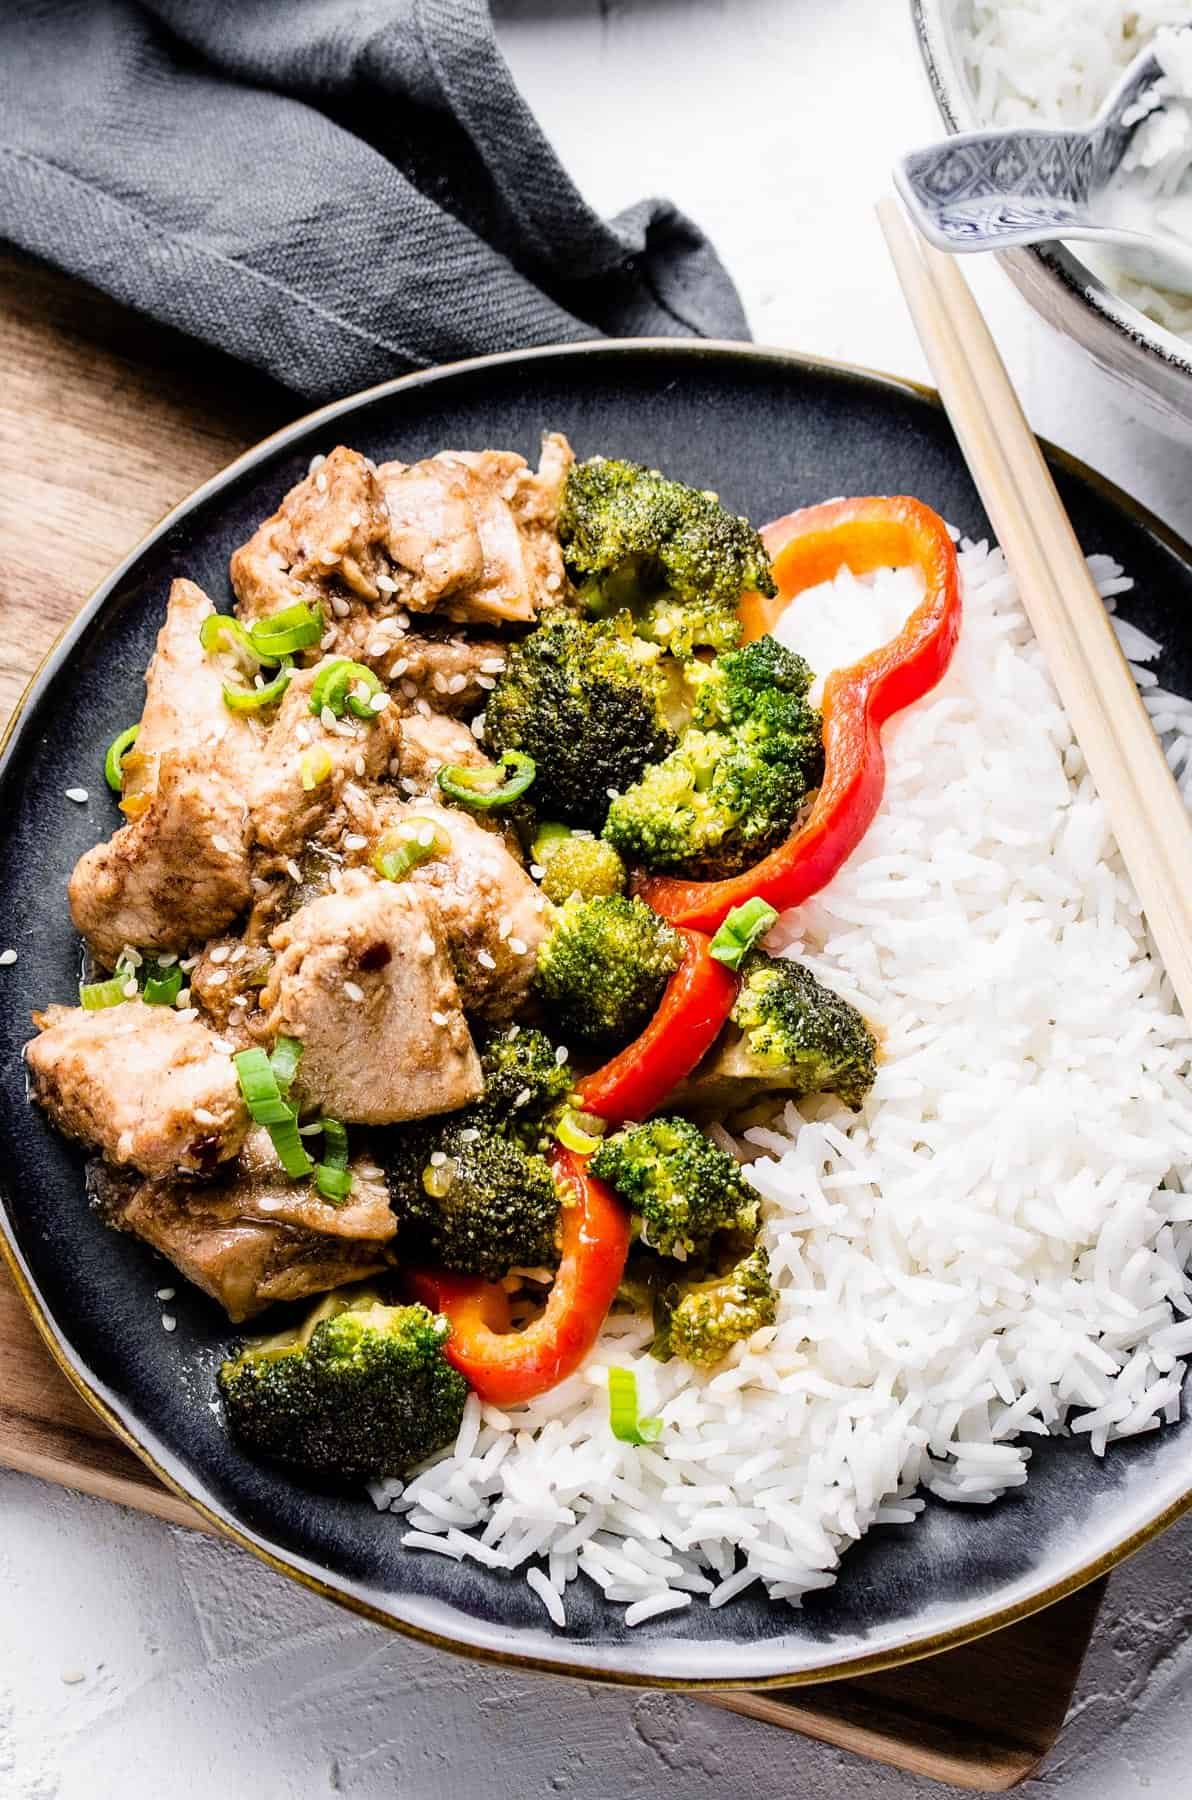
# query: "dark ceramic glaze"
{"points": [[768, 432]]}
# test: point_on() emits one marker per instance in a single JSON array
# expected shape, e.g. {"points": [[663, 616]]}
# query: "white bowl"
{"points": [[1151, 367]]}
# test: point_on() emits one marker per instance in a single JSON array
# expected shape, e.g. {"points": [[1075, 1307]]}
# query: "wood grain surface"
{"points": [[106, 422]]}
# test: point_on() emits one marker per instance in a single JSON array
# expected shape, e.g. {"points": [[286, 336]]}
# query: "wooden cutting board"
{"points": [[106, 422]]}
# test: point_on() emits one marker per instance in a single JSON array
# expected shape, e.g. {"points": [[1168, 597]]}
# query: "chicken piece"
{"points": [[292, 796], [363, 978], [178, 871], [326, 538], [452, 674], [430, 740], [253, 1237], [471, 533], [148, 1086], [491, 911]]}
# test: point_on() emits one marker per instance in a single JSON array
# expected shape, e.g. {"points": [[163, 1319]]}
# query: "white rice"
{"points": [[1053, 62], [991, 1251]]}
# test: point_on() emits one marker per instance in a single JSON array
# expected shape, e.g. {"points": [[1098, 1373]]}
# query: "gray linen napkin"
{"points": [[332, 190]]}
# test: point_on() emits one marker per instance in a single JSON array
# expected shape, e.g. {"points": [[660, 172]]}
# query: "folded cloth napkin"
{"points": [[332, 190]]}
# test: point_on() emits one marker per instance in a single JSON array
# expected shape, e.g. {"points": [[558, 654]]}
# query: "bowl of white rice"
{"points": [[1053, 62]]}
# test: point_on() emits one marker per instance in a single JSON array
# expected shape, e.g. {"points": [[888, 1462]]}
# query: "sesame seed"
{"points": [[478, 726], [168, 1322], [302, 732], [238, 953], [327, 719], [422, 708], [189, 962], [239, 999], [315, 464], [386, 584], [456, 684], [486, 682], [522, 1098], [469, 1135], [518, 946], [379, 702], [7, 958], [509, 489], [321, 482], [537, 871], [399, 668], [293, 871], [167, 958], [356, 796], [130, 990], [189, 1013], [353, 517], [353, 990], [71, 1676], [217, 977], [409, 689], [259, 886], [426, 836], [220, 844], [486, 959], [513, 1031], [408, 785], [561, 1055], [403, 619], [203, 1117], [328, 639], [355, 840], [224, 1046], [78, 795], [359, 765], [182, 999], [369, 1171], [437, 1159], [438, 1018], [166, 1293], [221, 953], [439, 682], [339, 606], [553, 582], [613, 793], [504, 927], [492, 665], [426, 944]]}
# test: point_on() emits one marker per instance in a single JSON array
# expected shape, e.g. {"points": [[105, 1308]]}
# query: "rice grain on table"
{"points": [[992, 1250]]}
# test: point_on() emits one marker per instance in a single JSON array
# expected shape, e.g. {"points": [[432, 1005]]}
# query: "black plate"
{"points": [[769, 432]]}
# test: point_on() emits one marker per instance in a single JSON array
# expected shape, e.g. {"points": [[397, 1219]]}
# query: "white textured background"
{"points": [[139, 1660]]}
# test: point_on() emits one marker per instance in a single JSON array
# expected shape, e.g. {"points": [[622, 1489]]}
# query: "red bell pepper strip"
{"points": [[806, 548], [504, 1366], [697, 1001]]}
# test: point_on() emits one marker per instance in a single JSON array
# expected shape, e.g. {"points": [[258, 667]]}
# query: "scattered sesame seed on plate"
{"points": [[166, 1293], [72, 1676], [78, 795], [7, 958], [168, 1322], [353, 990]]}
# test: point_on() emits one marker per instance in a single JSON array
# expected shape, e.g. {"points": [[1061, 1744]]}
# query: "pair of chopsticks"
{"points": [[1125, 759]]}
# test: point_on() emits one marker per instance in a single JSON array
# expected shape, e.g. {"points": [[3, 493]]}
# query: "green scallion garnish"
{"points": [[404, 846], [161, 986], [334, 688], [622, 1410], [580, 1132], [486, 789], [221, 633], [95, 995], [113, 762], [283, 1060], [332, 1176], [252, 699], [282, 633], [262, 1090], [288, 1144], [741, 931]]}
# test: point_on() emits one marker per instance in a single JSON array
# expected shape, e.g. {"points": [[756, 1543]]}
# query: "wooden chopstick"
{"points": [[1146, 811]]}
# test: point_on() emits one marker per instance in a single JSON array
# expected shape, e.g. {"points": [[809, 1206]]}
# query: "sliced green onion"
{"points": [[622, 1410], [288, 1144], [741, 931], [162, 986], [547, 839], [281, 633], [284, 1060], [580, 1132], [259, 1085], [95, 995], [335, 1144], [332, 685], [487, 788], [220, 632], [113, 762], [252, 699], [404, 846], [335, 1185], [315, 765]]}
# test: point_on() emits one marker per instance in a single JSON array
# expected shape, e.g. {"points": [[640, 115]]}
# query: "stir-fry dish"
{"points": [[430, 952]]}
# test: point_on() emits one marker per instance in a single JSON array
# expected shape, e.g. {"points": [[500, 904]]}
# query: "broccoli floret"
{"points": [[603, 966], [362, 1388], [683, 627], [683, 1186], [729, 793], [588, 701], [524, 1081], [798, 1032], [631, 536], [702, 1320], [471, 1199], [582, 865]]}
